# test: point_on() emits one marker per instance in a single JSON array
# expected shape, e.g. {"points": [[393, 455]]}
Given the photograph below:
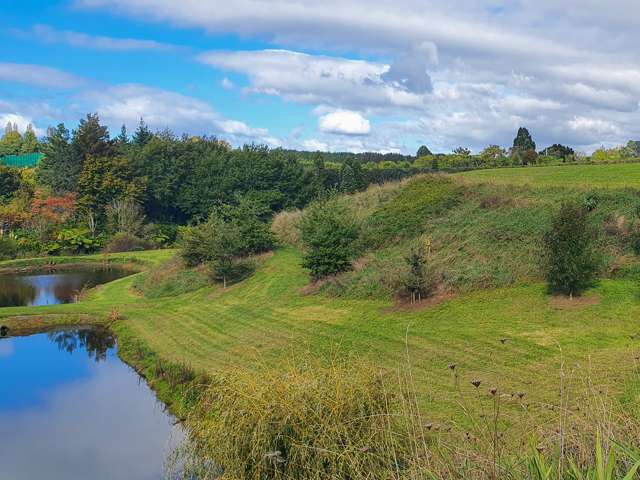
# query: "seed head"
{"points": [[476, 383], [452, 366]]}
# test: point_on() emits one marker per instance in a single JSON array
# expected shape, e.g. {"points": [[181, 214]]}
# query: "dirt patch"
{"points": [[560, 302], [404, 305]]}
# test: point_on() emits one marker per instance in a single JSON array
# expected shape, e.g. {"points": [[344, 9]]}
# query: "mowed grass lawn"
{"points": [[509, 338], [583, 176]]}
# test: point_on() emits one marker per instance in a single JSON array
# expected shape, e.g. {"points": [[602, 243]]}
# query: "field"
{"points": [[491, 320], [622, 175]]}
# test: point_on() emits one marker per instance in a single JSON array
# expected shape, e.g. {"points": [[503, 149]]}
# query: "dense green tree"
{"points": [[329, 234], [10, 182], [462, 152], [417, 281], [91, 138], [59, 168], [123, 137], [29, 141], [571, 261], [11, 141], [351, 177], [523, 141], [423, 151], [558, 151], [142, 135], [103, 180]]}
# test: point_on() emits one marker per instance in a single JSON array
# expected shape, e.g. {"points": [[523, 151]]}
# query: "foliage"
{"points": [[571, 262], [127, 242], [125, 215], [417, 281], [60, 168], [104, 180], [8, 248], [523, 142], [351, 177], [74, 240], [10, 182], [170, 279], [329, 236], [558, 151], [423, 151]]}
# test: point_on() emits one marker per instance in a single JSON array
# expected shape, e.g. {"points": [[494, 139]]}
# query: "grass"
{"points": [[266, 318], [621, 175]]}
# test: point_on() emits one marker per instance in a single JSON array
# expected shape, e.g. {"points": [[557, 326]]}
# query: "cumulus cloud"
{"points": [[128, 103], [39, 76], [464, 72], [344, 122], [320, 79]]}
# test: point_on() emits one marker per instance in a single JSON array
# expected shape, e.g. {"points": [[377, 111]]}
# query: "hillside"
{"points": [[495, 321]]}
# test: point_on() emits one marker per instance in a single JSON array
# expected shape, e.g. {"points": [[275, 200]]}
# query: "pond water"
{"points": [[34, 289], [70, 409]]}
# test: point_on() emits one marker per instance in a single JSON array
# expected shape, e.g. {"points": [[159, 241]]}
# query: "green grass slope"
{"points": [[621, 175]]}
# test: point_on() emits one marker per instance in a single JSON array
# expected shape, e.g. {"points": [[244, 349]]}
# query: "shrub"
{"points": [[300, 421], [418, 282], [571, 262], [125, 242], [8, 248], [329, 235], [75, 240], [285, 227]]}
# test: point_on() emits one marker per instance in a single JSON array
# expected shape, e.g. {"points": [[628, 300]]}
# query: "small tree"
{"points": [[571, 262], [329, 234], [417, 281], [423, 151]]}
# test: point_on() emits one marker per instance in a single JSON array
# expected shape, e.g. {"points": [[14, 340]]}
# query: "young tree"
{"points": [[11, 142], [126, 216], [571, 262], [417, 281], [329, 235], [351, 177]]}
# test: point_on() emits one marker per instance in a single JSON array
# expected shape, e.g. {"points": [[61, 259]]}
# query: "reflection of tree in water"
{"points": [[14, 291], [96, 341]]}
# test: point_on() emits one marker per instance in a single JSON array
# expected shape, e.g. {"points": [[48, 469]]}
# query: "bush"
{"points": [[329, 235], [125, 242], [571, 262], [74, 240], [285, 227], [8, 248]]}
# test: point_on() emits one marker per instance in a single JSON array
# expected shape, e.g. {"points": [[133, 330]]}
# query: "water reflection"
{"points": [[70, 409], [20, 289], [95, 341]]}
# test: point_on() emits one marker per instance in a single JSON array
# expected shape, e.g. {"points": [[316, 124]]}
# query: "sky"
{"points": [[338, 75]]}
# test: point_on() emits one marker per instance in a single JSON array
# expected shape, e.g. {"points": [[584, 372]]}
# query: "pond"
{"points": [[70, 409], [50, 288]]}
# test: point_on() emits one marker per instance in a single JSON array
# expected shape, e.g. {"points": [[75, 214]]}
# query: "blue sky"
{"points": [[336, 75]]}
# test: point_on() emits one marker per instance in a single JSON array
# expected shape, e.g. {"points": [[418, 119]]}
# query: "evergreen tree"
{"points": [[91, 138], [123, 138], [351, 177], [29, 141], [423, 151], [58, 169], [571, 261], [523, 142], [11, 142], [142, 134]]}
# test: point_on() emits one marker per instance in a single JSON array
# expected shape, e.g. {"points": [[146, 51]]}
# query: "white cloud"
{"points": [[128, 103], [344, 122], [227, 84], [320, 79], [39, 76], [97, 42]]}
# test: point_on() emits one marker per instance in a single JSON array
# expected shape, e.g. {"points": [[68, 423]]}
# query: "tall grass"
{"points": [[353, 420]]}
